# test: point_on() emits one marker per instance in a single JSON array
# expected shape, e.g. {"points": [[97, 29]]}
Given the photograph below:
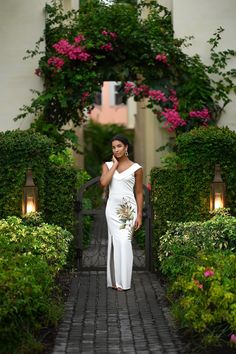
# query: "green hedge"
{"points": [[20, 150], [181, 190], [60, 196]]}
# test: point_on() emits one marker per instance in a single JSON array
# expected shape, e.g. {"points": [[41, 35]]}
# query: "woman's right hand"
{"points": [[115, 161]]}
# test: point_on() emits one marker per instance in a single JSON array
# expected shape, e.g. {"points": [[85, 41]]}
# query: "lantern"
{"points": [[30, 195], [217, 198]]}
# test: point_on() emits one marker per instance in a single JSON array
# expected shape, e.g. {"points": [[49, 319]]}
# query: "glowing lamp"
{"points": [[217, 198], [30, 195]]}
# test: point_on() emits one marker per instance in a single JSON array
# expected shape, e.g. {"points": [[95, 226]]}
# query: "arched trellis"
{"points": [[121, 44], [92, 253]]}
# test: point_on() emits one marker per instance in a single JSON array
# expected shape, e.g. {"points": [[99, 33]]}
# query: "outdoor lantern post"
{"points": [[217, 198], [30, 195]]}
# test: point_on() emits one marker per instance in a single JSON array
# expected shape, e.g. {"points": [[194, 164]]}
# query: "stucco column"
{"points": [[149, 136]]}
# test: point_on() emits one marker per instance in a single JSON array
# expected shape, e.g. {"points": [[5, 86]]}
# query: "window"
{"points": [[98, 98], [118, 96]]}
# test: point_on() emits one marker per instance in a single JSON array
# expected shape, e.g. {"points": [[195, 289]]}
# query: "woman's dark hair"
{"points": [[121, 138]]}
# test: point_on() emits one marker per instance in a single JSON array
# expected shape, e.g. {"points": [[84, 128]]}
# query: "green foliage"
{"points": [[181, 244], [97, 147], [181, 191], [135, 42], [52, 173], [205, 297], [198, 260], [30, 258], [20, 150], [60, 196]]}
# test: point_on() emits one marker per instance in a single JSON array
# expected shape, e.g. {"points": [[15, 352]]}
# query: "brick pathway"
{"points": [[101, 320]]}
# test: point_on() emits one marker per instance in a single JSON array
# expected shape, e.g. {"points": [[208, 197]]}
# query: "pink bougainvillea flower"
{"points": [[85, 95], [107, 47], [209, 272], [204, 114], [79, 38], [63, 47], [128, 88], [173, 119], [157, 95], [73, 52], [162, 58], [57, 62], [173, 99], [113, 35], [78, 53], [233, 338], [38, 72]]}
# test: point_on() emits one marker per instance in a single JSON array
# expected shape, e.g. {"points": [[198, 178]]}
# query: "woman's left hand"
{"points": [[138, 223]]}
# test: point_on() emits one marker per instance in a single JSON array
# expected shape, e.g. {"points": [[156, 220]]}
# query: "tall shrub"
{"points": [[182, 193], [20, 150]]}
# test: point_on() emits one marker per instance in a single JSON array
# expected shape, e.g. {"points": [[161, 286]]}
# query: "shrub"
{"points": [[30, 258], [180, 245], [181, 190], [205, 298]]}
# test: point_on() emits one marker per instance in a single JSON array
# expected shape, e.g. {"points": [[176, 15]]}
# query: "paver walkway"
{"points": [[101, 320]]}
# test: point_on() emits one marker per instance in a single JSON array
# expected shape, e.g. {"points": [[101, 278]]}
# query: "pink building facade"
{"points": [[109, 108]]}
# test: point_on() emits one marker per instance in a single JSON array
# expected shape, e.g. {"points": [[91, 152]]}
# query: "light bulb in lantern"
{"points": [[30, 205], [218, 201]]}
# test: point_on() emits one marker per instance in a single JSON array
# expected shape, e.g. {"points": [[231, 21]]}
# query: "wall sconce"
{"points": [[30, 195], [218, 190]]}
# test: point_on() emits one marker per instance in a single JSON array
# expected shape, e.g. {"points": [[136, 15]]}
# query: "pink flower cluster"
{"points": [[107, 47], [73, 52], [79, 38], [203, 114], [57, 62], [174, 100], [208, 272], [233, 338], [131, 89], [142, 90], [173, 119], [128, 88], [199, 285], [162, 58], [113, 35], [85, 95], [157, 95]]}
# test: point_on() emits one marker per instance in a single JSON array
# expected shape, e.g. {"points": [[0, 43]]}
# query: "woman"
{"points": [[123, 212]]}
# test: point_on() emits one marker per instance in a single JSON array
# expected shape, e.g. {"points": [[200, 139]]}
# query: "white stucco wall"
{"points": [[201, 18], [21, 25]]}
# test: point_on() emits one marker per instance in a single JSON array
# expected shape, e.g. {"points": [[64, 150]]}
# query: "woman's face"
{"points": [[118, 149]]}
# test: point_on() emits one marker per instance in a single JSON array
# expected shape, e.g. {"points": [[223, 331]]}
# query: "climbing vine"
{"points": [[117, 42]]}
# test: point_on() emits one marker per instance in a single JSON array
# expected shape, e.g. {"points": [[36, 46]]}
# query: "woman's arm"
{"points": [[139, 197], [107, 174]]}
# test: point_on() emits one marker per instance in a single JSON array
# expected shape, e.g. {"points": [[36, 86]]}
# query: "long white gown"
{"points": [[121, 213]]}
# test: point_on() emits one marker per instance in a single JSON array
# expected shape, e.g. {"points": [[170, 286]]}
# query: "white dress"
{"points": [[121, 213]]}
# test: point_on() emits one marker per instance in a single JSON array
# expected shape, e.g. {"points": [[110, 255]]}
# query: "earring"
{"points": [[126, 153]]}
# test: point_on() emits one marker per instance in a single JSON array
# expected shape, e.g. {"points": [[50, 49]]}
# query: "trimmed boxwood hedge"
{"points": [[20, 150], [183, 193]]}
